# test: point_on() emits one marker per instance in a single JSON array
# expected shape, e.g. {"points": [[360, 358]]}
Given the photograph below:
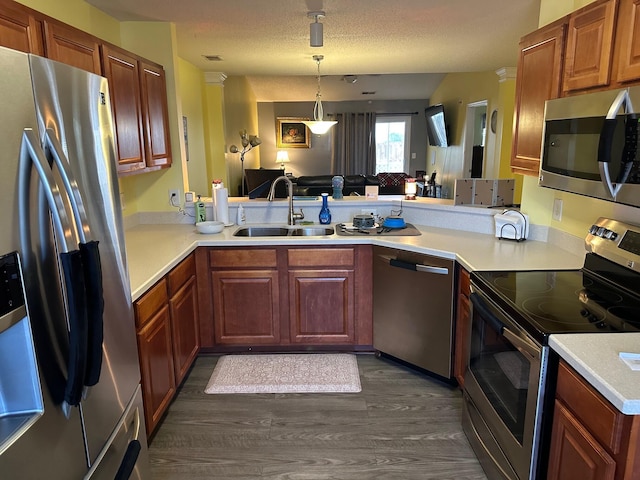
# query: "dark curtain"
{"points": [[354, 144]]}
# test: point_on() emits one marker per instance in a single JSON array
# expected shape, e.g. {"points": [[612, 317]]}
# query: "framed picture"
{"points": [[292, 133]]}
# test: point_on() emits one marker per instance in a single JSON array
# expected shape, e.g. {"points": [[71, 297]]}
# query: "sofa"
{"points": [[313, 185]]}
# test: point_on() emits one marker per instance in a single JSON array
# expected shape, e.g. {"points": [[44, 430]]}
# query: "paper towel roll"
{"points": [[221, 204]]}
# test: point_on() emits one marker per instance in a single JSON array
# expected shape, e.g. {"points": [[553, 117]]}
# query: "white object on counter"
{"points": [[512, 224], [241, 218], [221, 205]]}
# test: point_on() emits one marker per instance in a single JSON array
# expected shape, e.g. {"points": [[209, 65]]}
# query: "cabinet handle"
{"points": [[416, 267]]}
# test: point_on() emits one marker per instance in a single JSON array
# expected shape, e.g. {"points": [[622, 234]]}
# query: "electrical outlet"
{"points": [[174, 197], [369, 211], [557, 209]]}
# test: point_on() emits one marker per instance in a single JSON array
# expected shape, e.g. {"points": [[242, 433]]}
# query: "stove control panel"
{"points": [[615, 241]]}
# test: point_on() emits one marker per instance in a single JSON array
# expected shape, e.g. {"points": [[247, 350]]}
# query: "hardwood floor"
{"points": [[403, 425]]}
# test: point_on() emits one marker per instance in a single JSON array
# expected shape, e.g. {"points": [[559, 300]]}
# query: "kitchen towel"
{"points": [[221, 205], [285, 373]]}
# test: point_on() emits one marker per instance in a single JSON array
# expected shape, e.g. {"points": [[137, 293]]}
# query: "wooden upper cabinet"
{"points": [[122, 71], [628, 42], [72, 46], [20, 28], [538, 80], [156, 116], [589, 51]]}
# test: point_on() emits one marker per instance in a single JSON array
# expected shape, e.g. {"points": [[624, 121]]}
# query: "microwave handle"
{"points": [[606, 143]]}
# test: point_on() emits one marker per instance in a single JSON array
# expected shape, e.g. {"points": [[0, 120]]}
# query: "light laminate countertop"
{"points": [[596, 357]]}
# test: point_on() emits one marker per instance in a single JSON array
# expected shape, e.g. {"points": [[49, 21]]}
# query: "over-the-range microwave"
{"points": [[590, 145]]}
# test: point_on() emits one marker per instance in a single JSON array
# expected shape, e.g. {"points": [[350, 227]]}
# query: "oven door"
{"points": [[504, 387]]}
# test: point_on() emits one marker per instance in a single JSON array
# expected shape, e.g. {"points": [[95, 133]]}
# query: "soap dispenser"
{"points": [[201, 213]]}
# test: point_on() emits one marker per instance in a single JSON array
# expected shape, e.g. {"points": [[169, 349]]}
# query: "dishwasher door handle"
{"points": [[416, 267]]}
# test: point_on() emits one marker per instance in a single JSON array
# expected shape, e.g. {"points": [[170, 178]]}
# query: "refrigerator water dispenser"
{"points": [[21, 402]]}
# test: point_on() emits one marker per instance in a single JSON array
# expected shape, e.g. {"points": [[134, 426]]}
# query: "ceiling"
{"points": [[399, 49]]}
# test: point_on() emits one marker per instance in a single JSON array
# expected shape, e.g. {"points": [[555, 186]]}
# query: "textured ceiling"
{"points": [[391, 45]]}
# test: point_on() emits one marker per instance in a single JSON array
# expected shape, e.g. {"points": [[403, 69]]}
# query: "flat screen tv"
{"points": [[436, 126], [259, 182]]}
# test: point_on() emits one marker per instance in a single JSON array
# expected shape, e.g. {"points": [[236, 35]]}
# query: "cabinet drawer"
{"points": [[321, 257], [243, 258], [151, 302], [602, 419], [181, 274]]}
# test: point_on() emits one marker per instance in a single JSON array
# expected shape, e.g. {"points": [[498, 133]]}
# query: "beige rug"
{"points": [[286, 373]]}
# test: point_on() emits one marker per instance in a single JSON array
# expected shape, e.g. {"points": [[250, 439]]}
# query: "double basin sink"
{"points": [[292, 231]]}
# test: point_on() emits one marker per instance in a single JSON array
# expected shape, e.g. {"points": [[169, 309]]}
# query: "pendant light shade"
{"points": [[318, 125]]}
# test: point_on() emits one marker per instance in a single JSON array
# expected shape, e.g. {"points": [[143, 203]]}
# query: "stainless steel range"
{"points": [[510, 375]]}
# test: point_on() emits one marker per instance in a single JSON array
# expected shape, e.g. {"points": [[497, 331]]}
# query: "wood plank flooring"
{"points": [[403, 425]]}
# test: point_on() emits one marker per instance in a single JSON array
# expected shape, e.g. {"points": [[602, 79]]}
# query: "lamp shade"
{"points": [[282, 157], [319, 127]]}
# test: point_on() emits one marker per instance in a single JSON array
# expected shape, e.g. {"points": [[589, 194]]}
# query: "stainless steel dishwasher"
{"points": [[413, 308]]}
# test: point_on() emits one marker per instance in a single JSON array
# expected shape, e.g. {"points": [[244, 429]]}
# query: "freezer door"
{"points": [[74, 105], [53, 447]]}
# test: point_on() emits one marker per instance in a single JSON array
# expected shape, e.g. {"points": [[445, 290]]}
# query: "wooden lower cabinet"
{"points": [[167, 325], [279, 296], [590, 438], [463, 327]]}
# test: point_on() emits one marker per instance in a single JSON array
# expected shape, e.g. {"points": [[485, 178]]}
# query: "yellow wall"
{"points": [[241, 113], [455, 92], [214, 124]]}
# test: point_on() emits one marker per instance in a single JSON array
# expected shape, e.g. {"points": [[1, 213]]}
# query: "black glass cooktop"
{"points": [[600, 298]]}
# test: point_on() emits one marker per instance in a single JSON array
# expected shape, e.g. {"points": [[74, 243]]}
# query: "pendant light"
{"points": [[318, 125]]}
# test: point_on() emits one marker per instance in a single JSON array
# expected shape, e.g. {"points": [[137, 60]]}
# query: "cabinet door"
{"points": [[246, 307], [20, 29], [628, 41], [184, 328], [463, 328], [589, 49], [538, 80], [321, 306], [156, 117], [121, 69], [72, 46], [156, 367], [574, 451]]}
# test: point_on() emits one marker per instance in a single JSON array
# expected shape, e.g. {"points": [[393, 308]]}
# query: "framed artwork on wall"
{"points": [[292, 133]]}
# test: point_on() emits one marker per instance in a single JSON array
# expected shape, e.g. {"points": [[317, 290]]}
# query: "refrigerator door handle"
{"points": [[91, 266], [32, 155]]}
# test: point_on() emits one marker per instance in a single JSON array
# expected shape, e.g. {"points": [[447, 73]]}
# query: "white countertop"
{"points": [[153, 250], [595, 356]]}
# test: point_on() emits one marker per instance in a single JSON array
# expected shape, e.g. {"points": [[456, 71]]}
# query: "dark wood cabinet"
{"points": [[246, 296], [122, 70], [538, 80], [463, 326], [21, 28], [273, 297], [322, 295], [168, 339], [74, 47], [155, 115], [627, 58], [589, 48], [155, 353], [590, 438]]}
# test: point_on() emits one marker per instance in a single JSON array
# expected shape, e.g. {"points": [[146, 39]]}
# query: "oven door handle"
{"points": [[528, 349], [490, 318]]}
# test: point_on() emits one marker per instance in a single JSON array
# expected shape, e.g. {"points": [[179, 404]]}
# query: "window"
{"points": [[393, 140]]}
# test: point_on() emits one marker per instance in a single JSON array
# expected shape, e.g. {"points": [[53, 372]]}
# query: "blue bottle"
{"points": [[325, 214]]}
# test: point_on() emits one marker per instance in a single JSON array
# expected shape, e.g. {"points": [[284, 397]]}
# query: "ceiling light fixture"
{"points": [[318, 125], [315, 29]]}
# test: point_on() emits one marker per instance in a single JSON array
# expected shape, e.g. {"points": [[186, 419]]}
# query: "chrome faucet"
{"points": [[293, 216]]}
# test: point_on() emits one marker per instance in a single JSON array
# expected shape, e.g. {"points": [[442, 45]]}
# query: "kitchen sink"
{"points": [[283, 231]]}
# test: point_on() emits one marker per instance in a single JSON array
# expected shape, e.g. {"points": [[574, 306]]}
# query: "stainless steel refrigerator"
{"points": [[70, 398]]}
